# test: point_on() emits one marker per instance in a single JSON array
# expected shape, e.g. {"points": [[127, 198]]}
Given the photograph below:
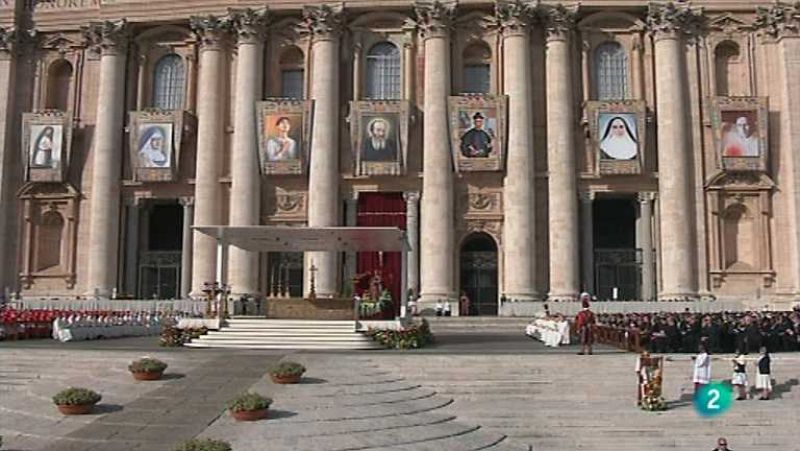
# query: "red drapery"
{"points": [[383, 210]]}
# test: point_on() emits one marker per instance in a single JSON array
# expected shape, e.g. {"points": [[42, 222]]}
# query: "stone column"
{"points": [[212, 34], [436, 240], [186, 246], [111, 39], [9, 160], [668, 23], [562, 186], [587, 242], [132, 245], [324, 24], [412, 231], [245, 198], [646, 245], [519, 255], [351, 219]]}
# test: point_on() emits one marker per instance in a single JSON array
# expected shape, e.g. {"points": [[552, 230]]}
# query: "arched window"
{"points": [[726, 55], [59, 81], [611, 71], [48, 242], [169, 80], [292, 73], [383, 72], [477, 69]]}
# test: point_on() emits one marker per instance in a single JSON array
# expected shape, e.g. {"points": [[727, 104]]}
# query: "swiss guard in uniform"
{"points": [[585, 321]]}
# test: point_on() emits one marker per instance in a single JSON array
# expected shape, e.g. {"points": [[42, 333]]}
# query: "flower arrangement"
{"points": [[147, 365], [249, 402], [249, 406], [147, 369], [416, 336], [652, 399], [173, 337], [76, 397], [287, 372], [76, 401], [204, 444]]}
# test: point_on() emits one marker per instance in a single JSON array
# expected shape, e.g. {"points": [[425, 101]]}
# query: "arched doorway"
{"points": [[479, 273]]}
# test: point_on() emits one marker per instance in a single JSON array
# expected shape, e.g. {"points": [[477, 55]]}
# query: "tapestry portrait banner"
{"points": [[284, 135], [477, 128], [155, 143], [46, 145], [379, 136], [617, 130], [741, 132]]}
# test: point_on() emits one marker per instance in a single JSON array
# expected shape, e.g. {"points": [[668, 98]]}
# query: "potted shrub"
{"points": [[147, 369], [249, 406], [76, 401], [204, 444], [287, 373]]}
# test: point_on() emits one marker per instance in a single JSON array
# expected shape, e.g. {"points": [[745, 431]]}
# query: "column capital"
{"points": [[434, 18], [108, 37], [250, 24], [411, 197], [559, 21], [211, 31], [670, 20], [351, 197], [323, 22], [778, 20], [645, 196], [186, 201], [8, 40], [586, 196], [512, 17]]}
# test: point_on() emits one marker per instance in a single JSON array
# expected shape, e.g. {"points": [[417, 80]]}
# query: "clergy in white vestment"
{"points": [[702, 368]]}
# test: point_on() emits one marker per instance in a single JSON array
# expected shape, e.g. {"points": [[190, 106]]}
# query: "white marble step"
{"points": [[317, 346]]}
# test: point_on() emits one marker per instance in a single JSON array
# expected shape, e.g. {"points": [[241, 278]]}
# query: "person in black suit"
{"points": [[722, 445], [378, 146]]}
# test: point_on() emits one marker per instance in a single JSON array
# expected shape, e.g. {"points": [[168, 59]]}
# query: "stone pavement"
{"points": [[492, 391]]}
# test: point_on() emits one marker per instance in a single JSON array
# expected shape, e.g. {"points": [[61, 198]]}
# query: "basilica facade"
{"points": [[531, 150]]}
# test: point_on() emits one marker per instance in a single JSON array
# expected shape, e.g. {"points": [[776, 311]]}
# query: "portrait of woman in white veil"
{"points": [[618, 140]]}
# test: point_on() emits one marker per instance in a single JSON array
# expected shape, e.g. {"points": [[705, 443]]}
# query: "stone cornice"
{"points": [[778, 20], [107, 37], [671, 20], [512, 17], [212, 31], [323, 21], [434, 18], [250, 24], [559, 21]]}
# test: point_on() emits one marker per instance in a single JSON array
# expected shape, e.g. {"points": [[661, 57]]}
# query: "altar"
{"points": [[309, 239]]}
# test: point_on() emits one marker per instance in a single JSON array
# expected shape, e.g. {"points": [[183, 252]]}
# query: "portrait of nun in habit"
{"points": [[618, 140], [154, 146]]}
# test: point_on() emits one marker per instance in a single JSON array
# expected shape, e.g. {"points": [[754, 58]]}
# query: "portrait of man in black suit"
{"points": [[379, 143], [476, 142]]}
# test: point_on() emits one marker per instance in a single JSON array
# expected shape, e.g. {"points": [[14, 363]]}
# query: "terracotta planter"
{"points": [[285, 379], [249, 415], [75, 409], [147, 375]]}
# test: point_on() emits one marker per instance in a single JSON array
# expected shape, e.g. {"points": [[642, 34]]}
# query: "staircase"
{"points": [[258, 333]]}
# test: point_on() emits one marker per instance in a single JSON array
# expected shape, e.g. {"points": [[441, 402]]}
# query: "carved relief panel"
{"points": [[286, 206]]}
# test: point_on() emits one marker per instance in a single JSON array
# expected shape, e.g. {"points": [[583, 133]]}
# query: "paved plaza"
{"points": [[469, 392]]}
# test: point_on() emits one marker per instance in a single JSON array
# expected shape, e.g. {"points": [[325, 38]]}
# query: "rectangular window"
{"points": [[477, 78], [292, 83]]}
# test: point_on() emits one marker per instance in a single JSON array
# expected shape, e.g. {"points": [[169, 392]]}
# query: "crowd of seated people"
{"points": [[69, 325], [724, 332]]}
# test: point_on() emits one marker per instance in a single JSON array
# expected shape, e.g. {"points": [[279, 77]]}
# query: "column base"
{"points": [[680, 296], [521, 308], [97, 293], [426, 304], [562, 297]]}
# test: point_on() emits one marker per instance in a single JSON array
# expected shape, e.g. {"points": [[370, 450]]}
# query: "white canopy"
{"points": [[309, 239]]}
